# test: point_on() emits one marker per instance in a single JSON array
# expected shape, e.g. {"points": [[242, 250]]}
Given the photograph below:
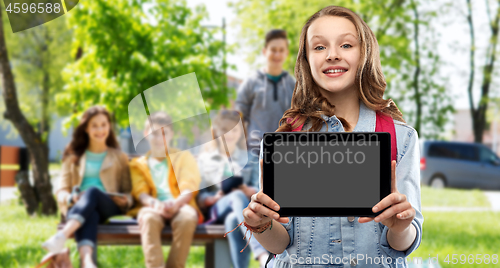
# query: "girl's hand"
{"points": [[76, 197], [211, 200], [262, 209], [399, 214], [219, 195], [121, 201]]}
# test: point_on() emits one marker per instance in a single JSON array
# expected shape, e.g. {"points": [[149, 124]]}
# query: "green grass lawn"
{"points": [[453, 198], [447, 233], [21, 236], [444, 233]]}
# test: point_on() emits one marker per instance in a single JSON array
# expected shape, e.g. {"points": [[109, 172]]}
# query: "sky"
{"points": [[453, 44]]}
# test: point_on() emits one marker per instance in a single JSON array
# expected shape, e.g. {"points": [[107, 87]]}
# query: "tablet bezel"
{"points": [[270, 139]]}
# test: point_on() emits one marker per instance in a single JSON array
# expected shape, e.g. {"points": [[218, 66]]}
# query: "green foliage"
{"points": [[127, 47], [37, 56], [391, 22]]}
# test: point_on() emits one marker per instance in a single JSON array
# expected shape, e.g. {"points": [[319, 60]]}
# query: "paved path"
{"points": [[456, 209], [494, 197], [8, 193]]}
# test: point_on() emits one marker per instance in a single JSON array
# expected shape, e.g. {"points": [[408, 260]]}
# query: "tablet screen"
{"points": [[327, 174], [330, 174]]}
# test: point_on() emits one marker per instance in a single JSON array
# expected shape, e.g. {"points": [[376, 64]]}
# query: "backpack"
{"points": [[384, 124]]}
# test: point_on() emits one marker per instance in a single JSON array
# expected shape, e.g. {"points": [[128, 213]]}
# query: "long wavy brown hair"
{"points": [[80, 140], [307, 100]]}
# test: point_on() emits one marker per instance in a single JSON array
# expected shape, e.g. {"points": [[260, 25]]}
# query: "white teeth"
{"points": [[335, 71]]}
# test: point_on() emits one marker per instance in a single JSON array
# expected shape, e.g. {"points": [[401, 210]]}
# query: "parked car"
{"points": [[459, 164]]}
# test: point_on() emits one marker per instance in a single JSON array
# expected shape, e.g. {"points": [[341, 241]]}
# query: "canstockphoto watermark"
{"points": [[299, 149], [357, 258]]}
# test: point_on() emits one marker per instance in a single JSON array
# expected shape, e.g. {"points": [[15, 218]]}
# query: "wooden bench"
{"points": [[126, 232]]}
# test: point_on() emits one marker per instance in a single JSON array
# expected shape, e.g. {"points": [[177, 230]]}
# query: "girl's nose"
{"points": [[332, 55]]}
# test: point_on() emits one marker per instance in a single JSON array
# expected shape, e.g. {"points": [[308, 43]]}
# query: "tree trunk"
{"points": [[472, 64], [479, 119], [28, 194], [37, 149], [416, 88]]}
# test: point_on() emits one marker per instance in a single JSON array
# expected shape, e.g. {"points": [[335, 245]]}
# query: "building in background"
{"points": [[462, 130], [57, 140]]}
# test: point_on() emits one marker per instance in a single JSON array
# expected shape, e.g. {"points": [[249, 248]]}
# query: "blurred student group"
{"points": [[179, 165]]}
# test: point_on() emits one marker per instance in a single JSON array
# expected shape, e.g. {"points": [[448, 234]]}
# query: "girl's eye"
{"points": [[317, 48], [346, 46]]}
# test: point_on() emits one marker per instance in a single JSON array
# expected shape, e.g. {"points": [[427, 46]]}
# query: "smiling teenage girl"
{"points": [[94, 163], [340, 87]]}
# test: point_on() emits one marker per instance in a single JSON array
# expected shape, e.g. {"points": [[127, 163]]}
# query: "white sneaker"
{"points": [[88, 263], [55, 244]]}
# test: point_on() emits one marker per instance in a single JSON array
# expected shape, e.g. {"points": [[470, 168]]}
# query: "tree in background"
{"points": [[395, 24], [478, 111], [33, 72], [125, 47]]}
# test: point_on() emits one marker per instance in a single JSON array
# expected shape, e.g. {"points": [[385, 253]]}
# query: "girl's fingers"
{"points": [[394, 188], [251, 216], [264, 199], [364, 219], [407, 214], [262, 210], [392, 199], [283, 220], [393, 211]]}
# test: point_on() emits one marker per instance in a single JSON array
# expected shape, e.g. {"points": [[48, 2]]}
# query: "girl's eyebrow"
{"points": [[317, 36], [346, 34], [341, 35]]}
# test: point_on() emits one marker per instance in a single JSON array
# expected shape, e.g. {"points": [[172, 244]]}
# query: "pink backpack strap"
{"points": [[299, 128], [385, 123]]}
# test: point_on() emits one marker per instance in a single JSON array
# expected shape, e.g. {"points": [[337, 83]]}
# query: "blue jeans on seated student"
{"points": [[93, 207], [229, 209]]}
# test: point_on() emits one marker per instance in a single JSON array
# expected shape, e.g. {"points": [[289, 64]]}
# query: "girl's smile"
{"points": [[335, 71]]}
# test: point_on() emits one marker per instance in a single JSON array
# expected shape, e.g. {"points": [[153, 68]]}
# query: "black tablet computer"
{"points": [[327, 174]]}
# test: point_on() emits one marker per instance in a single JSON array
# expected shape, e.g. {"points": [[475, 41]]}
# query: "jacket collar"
{"points": [[106, 163], [366, 120]]}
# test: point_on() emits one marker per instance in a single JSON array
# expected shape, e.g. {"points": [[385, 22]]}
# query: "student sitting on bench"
{"points": [[95, 184], [164, 196]]}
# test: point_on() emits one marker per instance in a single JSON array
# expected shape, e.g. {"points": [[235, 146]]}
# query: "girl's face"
{"points": [[231, 131], [98, 128], [333, 53]]}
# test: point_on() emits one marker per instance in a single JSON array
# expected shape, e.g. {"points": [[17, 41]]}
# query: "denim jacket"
{"points": [[343, 241]]}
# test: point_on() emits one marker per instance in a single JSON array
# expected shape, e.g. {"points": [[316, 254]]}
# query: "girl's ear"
{"points": [[264, 51]]}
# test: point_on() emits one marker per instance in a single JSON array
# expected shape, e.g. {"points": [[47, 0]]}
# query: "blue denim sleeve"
{"points": [[254, 169], [289, 225], [408, 183]]}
